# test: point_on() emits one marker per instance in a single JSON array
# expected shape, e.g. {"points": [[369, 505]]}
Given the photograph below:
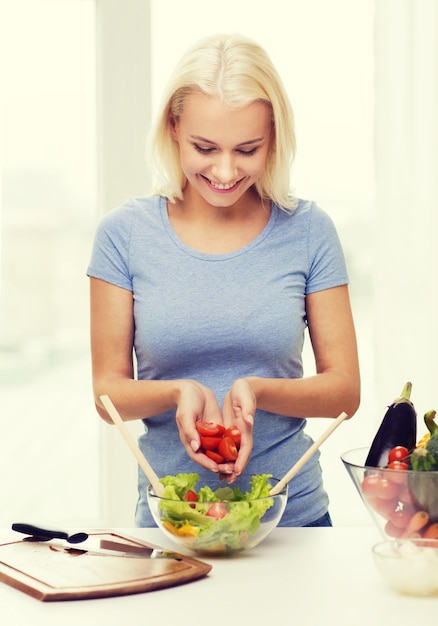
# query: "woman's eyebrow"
{"points": [[203, 139], [213, 143], [251, 141]]}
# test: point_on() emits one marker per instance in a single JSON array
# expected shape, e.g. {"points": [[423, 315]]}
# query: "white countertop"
{"points": [[303, 576]]}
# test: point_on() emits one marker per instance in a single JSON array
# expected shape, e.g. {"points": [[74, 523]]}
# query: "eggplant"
{"points": [[398, 428]]}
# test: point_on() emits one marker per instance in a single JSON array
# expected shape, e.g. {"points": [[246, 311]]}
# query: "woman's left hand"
{"points": [[238, 409]]}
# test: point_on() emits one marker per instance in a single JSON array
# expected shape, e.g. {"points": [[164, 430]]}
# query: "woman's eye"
{"points": [[248, 152], [209, 150], [203, 150]]}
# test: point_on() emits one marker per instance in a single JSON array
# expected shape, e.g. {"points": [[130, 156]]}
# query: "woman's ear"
{"points": [[173, 123]]}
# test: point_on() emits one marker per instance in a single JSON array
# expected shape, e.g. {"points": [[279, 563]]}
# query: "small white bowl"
{"points": [[409, 566]]}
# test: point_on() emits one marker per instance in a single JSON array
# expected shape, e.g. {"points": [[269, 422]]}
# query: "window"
{"points": [[48, 172]]}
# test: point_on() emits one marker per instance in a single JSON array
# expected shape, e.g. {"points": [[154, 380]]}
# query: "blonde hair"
{"points": [[240, 72]]}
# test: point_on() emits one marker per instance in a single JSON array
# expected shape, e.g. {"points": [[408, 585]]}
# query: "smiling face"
{"points": [[223, 150]]}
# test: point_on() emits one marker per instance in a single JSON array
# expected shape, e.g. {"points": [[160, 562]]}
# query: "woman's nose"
{"points": [[224, 169]]}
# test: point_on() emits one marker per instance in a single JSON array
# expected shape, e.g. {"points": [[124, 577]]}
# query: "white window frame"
{"points": [[124, 111]]}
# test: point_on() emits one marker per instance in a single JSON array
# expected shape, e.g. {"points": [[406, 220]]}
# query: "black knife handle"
{"points": [[41, 533]]}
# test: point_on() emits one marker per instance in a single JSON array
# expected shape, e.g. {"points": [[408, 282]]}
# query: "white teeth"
{"points": [[222, 186]]}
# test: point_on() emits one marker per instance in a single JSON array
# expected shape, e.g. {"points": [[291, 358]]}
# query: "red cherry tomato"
{"points": [[369, 484], [386, 489], [234, 433], [398, 454], [214, 456], [228, 449], [191, 496], [210, 443], [398, 465], [217, 510], [385, 508], [405, 496], [401, 518], [210, 429], [392, 530], [399, 475]]}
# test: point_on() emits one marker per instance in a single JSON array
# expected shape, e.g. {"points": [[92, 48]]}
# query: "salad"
{"points": [[223, 519]]}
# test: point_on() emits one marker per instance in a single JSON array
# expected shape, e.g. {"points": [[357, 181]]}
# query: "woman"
{"points": [[201, 294]]}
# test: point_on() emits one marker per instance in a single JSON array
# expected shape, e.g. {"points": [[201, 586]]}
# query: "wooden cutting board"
{"points": [[49, 575]]}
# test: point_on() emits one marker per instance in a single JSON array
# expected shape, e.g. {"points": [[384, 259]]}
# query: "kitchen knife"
{"points": [[44, 534], [90, 544], [114, 549]]}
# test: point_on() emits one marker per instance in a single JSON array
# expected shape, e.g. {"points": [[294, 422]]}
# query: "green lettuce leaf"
{"points": [[176, 487]]}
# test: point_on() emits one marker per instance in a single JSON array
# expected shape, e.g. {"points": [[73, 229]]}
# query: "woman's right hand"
{"points": [[196, 402]]}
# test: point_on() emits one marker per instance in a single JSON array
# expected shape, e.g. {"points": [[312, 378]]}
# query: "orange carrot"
{"points": [[431, 531], [416, 523]]}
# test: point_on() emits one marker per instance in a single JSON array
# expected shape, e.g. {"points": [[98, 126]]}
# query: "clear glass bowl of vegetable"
{"points": [[402, 496], [217, 517]]}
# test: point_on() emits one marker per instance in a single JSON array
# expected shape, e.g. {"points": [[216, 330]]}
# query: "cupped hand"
{"points": [[196, 402], [238, 409]]}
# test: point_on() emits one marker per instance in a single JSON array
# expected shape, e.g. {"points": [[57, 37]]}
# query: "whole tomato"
{"points": [[398, 454], [369, 484], [386, 489], [399, 475], [392, 530], [398, 465], [405, 496], [401, 518], [383, 507]]}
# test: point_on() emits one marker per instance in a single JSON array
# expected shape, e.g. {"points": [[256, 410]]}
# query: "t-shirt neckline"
{"points": [[216, 257]]}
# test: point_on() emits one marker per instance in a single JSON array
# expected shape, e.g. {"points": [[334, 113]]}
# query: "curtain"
{"points": [[406, 171]]}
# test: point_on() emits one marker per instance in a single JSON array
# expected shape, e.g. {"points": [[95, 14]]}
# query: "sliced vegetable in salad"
{"points": [[220, 519]]}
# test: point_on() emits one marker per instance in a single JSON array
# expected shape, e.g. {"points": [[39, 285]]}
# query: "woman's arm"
{"points": [[112, 333], [336, 385]]}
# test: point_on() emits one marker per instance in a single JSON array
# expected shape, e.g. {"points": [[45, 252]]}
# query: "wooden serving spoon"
{"points": [[306, 456], [141, 459]]}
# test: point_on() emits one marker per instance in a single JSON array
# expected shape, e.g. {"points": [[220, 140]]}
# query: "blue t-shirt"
{"points": [[218, 317]]}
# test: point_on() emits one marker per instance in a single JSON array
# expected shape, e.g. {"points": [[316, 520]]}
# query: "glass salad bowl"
{"points": [[217, 518], [402, 503]]}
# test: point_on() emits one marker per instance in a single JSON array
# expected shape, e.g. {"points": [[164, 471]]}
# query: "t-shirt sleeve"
{"points": [[110, 253], [327, 266]]}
